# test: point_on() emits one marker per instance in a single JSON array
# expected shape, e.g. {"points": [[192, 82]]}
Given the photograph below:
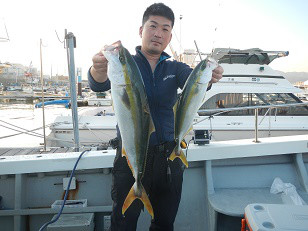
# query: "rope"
{"points": [[2, 137], [20, 127]]}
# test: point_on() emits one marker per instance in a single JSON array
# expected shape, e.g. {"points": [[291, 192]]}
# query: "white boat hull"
{"points": [[65, 138], [97, 130]]}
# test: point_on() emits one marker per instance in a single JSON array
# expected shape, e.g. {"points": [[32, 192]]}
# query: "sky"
{"points": [[276, 25]]}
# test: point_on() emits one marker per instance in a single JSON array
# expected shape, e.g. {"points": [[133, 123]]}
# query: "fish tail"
{"points": [[181, 156], [144, 198]]}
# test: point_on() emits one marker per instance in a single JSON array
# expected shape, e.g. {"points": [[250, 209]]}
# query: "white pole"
{"points": [[42, 83]]}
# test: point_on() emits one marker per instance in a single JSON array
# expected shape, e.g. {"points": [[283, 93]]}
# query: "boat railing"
{"points": [[218, 111]]}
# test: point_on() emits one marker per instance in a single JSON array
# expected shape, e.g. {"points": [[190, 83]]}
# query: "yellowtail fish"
{"points": [[190, 101], [133, 116]]}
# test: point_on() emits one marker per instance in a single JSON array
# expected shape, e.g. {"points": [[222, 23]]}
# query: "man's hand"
{"points": [[99, 68], [217, 74]]}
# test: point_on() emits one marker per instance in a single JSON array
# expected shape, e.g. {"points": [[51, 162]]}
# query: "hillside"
{"points": [[294, 77]]}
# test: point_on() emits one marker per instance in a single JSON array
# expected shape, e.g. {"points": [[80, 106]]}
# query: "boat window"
{"points": [[250, 56], [235, 100], [297, 110], [262, 58]]}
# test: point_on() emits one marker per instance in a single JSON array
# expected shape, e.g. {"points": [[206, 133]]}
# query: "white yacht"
{"points": [[97, 125], [99, 99], [247, 81]]}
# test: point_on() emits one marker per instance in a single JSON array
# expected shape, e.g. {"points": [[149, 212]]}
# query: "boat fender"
{"points": [[114, 143]]}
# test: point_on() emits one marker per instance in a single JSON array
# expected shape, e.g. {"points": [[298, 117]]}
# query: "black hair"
{"points": [[158, 9]]}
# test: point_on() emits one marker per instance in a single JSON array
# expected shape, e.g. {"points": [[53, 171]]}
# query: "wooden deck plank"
{"points": [[12, 152], [61, 150], [3, 151], [48, 151], [26, 151], [35, 150], [53, 150]]}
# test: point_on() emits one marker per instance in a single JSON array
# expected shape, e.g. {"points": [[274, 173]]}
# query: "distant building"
{"points": [[299, 84], [18, 74], [60, 78], [188, 57], [15, 68]]}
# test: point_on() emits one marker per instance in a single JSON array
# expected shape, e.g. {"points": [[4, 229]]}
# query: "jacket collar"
{"points": [[163, 55]]}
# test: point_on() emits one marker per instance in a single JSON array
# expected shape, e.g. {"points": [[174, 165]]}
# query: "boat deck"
{"points": [[223, 178]]}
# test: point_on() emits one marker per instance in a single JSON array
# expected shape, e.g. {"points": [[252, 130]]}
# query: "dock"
{"points": [[35, 98], [39, 150], [31, 97]]}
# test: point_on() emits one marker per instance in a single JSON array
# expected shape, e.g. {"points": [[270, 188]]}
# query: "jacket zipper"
{"points": [[158, 135]]}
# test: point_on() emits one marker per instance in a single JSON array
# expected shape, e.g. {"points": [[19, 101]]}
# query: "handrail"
{"points": [[253, 107], [256, 108]]}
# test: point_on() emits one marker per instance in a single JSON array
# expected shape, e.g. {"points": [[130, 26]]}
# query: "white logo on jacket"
{"points": [[168, 77]]}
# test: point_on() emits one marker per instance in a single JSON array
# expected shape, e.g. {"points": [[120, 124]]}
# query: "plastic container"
{"points": [[70, 203], [274, 217], [73, 222]]}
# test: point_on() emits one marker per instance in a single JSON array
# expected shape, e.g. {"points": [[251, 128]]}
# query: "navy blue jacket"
{"points": [[161, 89]]}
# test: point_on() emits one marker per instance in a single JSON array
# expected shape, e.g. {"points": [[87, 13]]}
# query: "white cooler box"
{"points": [[274, 217]]}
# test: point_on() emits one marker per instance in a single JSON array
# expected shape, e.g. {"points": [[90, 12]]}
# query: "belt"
{"points": [[165, 148]]}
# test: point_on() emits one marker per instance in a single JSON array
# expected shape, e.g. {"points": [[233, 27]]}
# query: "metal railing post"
{"points": [[70, 45], [43, 101], [256, 126]]}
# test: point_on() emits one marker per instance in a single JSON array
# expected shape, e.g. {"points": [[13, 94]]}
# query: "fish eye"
{"points": [[203, 65], [121, 58]]}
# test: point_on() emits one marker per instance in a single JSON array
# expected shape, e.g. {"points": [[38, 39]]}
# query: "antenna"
{"points": [[7, 34], [215, 32], [181, 16], [198, 50]]}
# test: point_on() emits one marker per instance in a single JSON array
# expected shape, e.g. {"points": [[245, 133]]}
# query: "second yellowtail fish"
{"points": [[189, 103]]}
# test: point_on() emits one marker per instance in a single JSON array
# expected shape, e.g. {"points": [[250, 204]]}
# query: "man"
{"points": [[163, 178]]}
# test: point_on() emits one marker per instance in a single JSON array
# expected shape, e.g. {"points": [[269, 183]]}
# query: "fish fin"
{"points": [[129, 199], [129, 164], [181, 156], [146, 108], [151, 127], [132, 196], [146, 201], [125, 99], [123, 152], [151, 124], [175, 108]]}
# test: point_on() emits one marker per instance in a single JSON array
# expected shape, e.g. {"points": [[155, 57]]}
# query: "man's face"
{"points": [[156, 34]]}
